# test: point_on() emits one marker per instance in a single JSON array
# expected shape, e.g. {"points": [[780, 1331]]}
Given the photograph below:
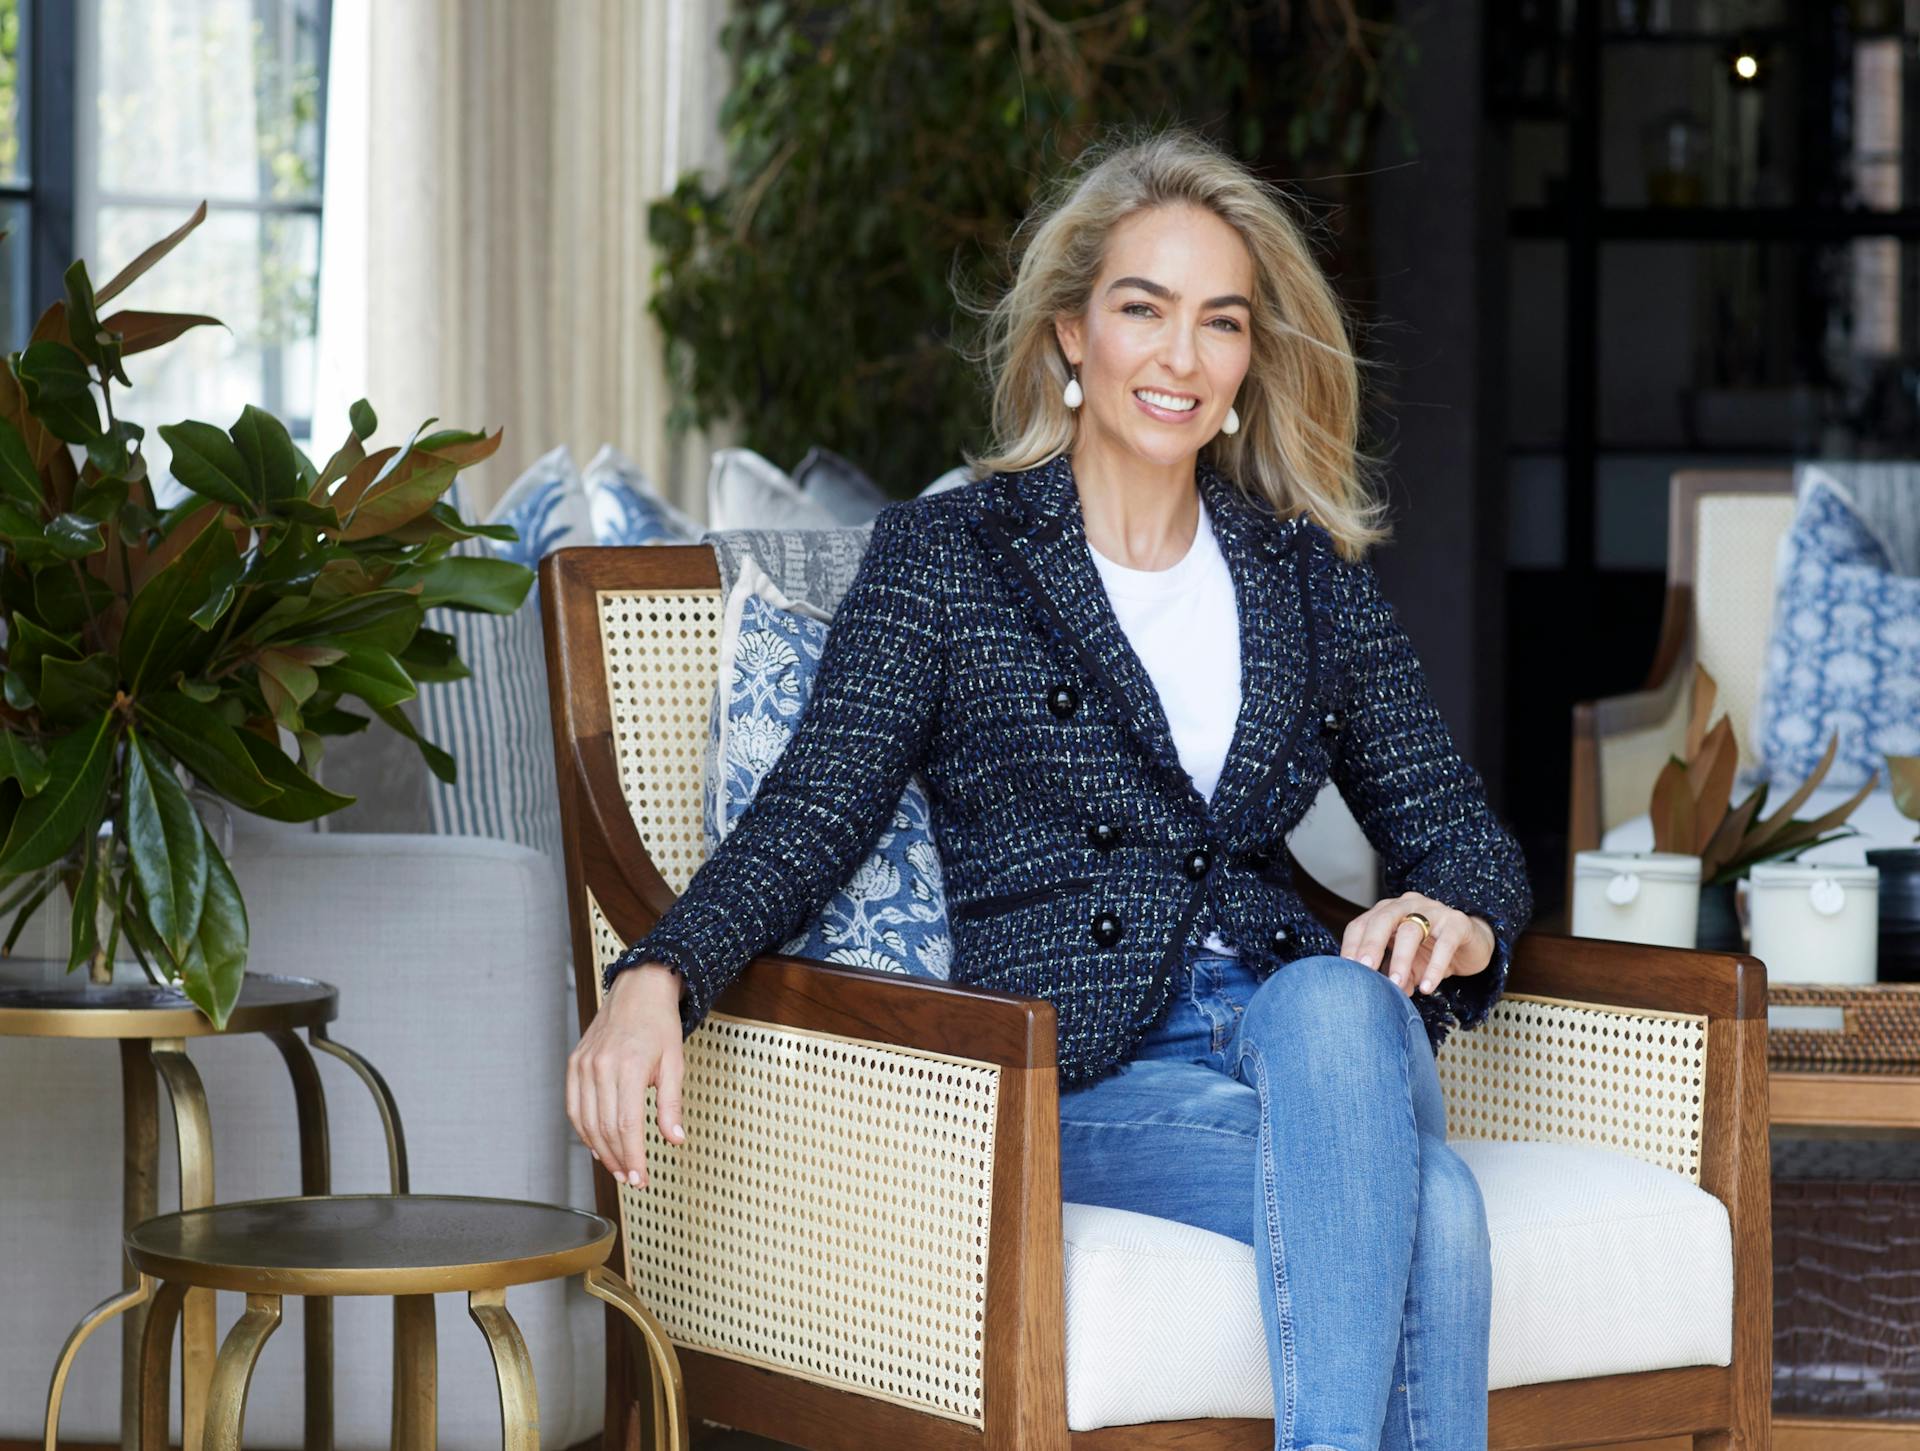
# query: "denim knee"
{"points": [[1315, 991], [1453, 1218]]}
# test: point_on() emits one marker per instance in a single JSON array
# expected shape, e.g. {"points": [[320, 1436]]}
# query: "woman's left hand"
{"points": [[1458, 946]]}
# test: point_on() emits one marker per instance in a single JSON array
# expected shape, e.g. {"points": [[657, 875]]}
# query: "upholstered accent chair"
{"points": [[862, 1243], [1724, 529]]}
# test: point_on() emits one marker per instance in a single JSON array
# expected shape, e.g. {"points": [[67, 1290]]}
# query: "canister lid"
{"points": [[1657, 866], [1847, 874]]}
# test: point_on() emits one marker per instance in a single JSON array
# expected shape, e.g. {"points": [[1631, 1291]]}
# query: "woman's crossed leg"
{"points": [[1303, 1116]]}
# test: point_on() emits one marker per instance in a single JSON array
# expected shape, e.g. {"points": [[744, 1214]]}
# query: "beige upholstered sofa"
{"points": [[862, 1243]]}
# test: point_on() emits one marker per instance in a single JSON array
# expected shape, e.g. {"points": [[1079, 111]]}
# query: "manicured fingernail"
{"points": [[1427, 987], [676, 1132], [633, 1176], [1367, 958], [595, 1153]]}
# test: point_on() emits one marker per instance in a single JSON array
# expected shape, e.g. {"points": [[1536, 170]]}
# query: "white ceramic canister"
{"points": [[1637, 896], [1815, 921]]}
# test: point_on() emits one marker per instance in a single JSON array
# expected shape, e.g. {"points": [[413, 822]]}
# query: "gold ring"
{"points": [[1426, 927]]}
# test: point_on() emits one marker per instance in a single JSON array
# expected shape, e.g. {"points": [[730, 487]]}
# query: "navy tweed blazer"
{"points": [[976, 643]]}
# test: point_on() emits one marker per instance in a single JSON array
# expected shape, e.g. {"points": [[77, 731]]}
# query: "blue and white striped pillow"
{"points": [[496, 721]]}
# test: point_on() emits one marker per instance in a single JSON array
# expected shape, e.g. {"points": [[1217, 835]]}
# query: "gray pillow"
{"points": [[838, 485], [814, 565]]}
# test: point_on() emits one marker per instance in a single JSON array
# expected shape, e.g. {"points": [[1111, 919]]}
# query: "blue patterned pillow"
{"points": [[626, 507], [891, 914], [1845, 652]]}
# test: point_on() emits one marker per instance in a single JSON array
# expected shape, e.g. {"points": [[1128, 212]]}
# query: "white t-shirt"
{"points": [[1184, 624]]}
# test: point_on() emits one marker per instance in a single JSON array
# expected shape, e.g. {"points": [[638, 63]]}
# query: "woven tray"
{"points": [[1879, 1029]]}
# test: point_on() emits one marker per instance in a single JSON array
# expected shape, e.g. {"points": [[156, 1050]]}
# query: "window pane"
{"points": [[213, 98], [16, 316], [13, 93], [257, 273]]}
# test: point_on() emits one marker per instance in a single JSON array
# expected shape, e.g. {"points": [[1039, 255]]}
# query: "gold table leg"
{"points": [[519, 1407], [416, 1374], [669, 1389], [156, 1364], [310, 1104], [140, 1200], [382, 1100], [119, 1304], [193, 1130], [227, 1397]]}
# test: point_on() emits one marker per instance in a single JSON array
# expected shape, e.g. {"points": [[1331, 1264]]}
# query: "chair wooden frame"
{"points": [[1024, 1360], [1597, 724]]}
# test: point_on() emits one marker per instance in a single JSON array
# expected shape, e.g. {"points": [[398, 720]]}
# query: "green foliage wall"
{"points": [[874, 147]]}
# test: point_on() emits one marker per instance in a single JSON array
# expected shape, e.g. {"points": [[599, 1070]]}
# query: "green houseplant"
{"points": [[152, 655]]}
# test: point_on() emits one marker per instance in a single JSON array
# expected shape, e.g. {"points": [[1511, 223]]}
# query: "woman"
{"points": [[1125, 661]]}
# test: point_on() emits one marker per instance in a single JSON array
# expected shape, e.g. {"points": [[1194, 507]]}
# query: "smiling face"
{"points": [[1165, 340]]}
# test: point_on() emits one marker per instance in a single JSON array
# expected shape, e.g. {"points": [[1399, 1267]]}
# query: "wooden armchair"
{"points": [[1724, 526], [860, 1245]]}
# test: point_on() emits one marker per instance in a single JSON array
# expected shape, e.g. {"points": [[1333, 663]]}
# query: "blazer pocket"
{"points": [[1009, 901]]}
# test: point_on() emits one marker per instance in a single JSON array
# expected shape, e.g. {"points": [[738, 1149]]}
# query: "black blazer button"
{"points": [[1107, 928], [1282, 940], [1063, 700], [1104, 835], [1198, 861], [1333, 721]]}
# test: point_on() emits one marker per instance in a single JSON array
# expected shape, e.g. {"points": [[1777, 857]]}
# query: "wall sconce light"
{"points": [[1744, 66]]}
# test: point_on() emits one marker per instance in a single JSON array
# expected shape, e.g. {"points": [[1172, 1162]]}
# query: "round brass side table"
{"points": [[411, 1247], [152, 1025]]}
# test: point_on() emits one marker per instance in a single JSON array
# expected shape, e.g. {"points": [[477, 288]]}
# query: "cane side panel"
{"points": [[662, 652], [828, 1214], [1543, 1070]]}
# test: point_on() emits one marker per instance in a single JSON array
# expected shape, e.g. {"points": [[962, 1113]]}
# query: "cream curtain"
{"points": [[485, 255]]}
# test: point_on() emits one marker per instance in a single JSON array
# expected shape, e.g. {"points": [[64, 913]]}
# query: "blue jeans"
{"points": [[1303, 1116]]}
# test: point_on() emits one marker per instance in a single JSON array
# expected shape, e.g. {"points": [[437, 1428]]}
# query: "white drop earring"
{"points": [[1073, 397], [1231, 423]]}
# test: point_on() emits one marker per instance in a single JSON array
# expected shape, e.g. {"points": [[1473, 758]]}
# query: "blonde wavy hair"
{"points": [[1298, 443]]}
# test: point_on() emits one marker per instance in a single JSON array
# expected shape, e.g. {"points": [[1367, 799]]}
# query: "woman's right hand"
{"points": [[633, 1041]]}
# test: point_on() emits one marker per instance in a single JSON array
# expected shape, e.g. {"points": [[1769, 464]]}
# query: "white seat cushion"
{"points": [[1601, 1264]]}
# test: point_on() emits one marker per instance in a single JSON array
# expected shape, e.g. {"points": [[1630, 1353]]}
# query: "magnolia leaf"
{"points": [[372, 675], [438, 761], [47, 824], [267, 449], [1705, 688], [142, 331], [1794, 802], [146, 259], [21, 760], [496, 586], [77, 690], [25, 914], [361, 418], [214, 968], [1672, 810], [1711, 782], [300, 798], [336, 722], [1903, 775], [59, 390], [196, 736], [83, 326], [1725, 843], [207, 462], [408, 492], [83, 931], [160, 631], [19, 475], [166, 844]]}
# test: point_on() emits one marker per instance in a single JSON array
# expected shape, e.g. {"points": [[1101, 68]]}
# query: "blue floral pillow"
{"points": [[1845, 652], [891, 914], [626, 507]]}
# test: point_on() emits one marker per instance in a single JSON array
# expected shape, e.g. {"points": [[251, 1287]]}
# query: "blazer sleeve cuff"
{"points": [[1470, 999], [697, 994]]}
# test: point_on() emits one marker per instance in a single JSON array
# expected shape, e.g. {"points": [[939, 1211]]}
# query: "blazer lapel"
{"points": [[1043, 541]]}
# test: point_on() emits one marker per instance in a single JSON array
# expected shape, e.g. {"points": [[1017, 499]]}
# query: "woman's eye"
{"points": [[1232, 326], [1132, 305]]}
